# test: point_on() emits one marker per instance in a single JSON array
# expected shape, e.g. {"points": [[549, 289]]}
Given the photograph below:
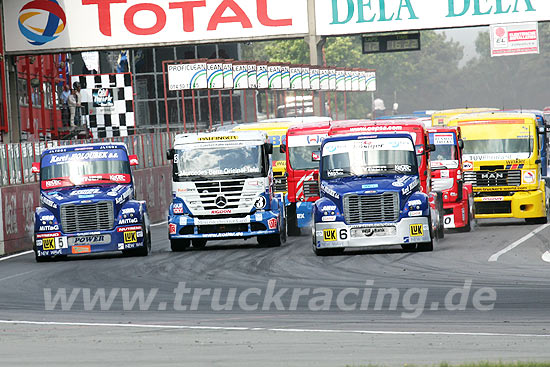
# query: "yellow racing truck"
{"points": [[442, 118], [502, 160], [276, 132]]}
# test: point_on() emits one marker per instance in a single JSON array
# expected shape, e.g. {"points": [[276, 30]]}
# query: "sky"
{"points": [[467, 37]]}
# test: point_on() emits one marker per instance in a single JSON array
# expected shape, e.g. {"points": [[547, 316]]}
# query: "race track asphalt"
{"points": [[410, 317]]}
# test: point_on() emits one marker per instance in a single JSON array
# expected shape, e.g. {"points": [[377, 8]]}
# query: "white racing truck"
{"points": [[222, 188]]}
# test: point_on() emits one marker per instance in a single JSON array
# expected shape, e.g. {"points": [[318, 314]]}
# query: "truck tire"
{"points": [[178, 245], [408, 246], [541, 220], [427, 246], [328, 251], [292, 221], [275, 239], [441, 225], [198, 243], [42, 259]]}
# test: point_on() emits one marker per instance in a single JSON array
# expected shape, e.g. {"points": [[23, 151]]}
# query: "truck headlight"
{"points": [[440, 184]]}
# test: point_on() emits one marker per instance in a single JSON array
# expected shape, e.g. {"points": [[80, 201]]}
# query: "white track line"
{"points": [[16, 255], [159, 224], [546, 256], [16, 275], [512, 246], [223, 328]]}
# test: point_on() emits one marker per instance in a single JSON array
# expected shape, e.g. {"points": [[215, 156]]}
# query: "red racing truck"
{"points": [[447, 177], [417, 130], [302, 173]]}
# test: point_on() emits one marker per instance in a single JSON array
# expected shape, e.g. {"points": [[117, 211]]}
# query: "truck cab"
{"points": [[370, 195], [223, 188], [419, 134], [87, 203], [447, 178], [502, 161], [302, 173]]}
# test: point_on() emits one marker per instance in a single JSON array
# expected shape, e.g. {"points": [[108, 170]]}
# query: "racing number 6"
{"points": [[343, 234]]}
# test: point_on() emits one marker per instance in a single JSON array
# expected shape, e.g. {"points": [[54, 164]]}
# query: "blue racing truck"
{"points": [[223, 188], [370, 195], [87, 203]]}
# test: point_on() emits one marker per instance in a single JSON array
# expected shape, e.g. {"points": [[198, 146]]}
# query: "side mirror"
{"points": [[547, 180], [268, 148], [35, 167], [430, 148], [134, 161], [538, 161], [282, 148], [461, 143], [170, 154], [315, 156]]}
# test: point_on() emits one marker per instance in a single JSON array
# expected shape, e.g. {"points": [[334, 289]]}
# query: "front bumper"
{"points": [[341, 235], [522, 204], [258, 224], [48, 244], [456, 214]]}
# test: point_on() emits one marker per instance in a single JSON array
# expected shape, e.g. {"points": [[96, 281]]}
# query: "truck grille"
{"points": [[311, 189], [498, 207], [371, 208], [230, 190], [87, 217], [280, 184], [493, 178]]}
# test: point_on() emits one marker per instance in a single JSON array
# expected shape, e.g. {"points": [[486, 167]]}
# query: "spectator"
{"points": [[75, 102], [65, 114]]}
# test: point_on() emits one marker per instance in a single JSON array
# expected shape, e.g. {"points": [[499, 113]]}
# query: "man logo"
{"points": [[221, 201], [41, 21]]}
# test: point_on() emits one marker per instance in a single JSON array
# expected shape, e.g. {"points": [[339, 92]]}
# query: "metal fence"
{"points": [[16, 159]]}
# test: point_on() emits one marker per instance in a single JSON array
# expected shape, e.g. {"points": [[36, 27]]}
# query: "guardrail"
{"points": [[16, 159]]}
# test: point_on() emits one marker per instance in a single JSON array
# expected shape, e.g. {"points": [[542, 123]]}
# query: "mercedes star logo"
{"points": [[221, 201]]}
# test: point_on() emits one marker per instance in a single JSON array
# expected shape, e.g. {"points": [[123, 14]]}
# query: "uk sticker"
{"points": [[416, 230]]}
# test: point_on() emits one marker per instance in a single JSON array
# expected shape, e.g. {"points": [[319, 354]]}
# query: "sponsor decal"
{"points": [[47, 218], [119, 178], [370, 186], [48, 202], [407, 190], [416, 230], [449, 220], [329, 218], [272, 223], [172, 228], [48, 244], [329, 235], [92, 155], [81, 249], [415, 213], [132, 228], [529, 177], [177, 208], [415, 202], [102, 97], [400, 182], [203, 222], [258, 217], [467, 166], [328, 208], [128, 221], [48, 228], [220, 138], [183, 221], [119, 200], [444, 139], [130, 237], [300, 216], [329, 191], [493, 198], [221, 211], [90, 240], [47, 235], [128, 211]]}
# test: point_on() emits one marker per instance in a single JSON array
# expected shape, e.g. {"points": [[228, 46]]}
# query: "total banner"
{"points": [[54, 25]]}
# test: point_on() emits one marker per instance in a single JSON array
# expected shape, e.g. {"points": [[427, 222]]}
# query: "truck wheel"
{"points": [[292, 221], [198, 243], [425, 246], [328, 251], [179, 244], [541, 220], [441, 213], [142, 251], [42, 259], [408, 246], [468, 226]]}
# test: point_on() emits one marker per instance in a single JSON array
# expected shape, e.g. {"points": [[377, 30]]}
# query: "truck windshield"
{"points": [[220, 159], [300, 157], [84, 168], [502, 140], [445, 150], [368, 157]]}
